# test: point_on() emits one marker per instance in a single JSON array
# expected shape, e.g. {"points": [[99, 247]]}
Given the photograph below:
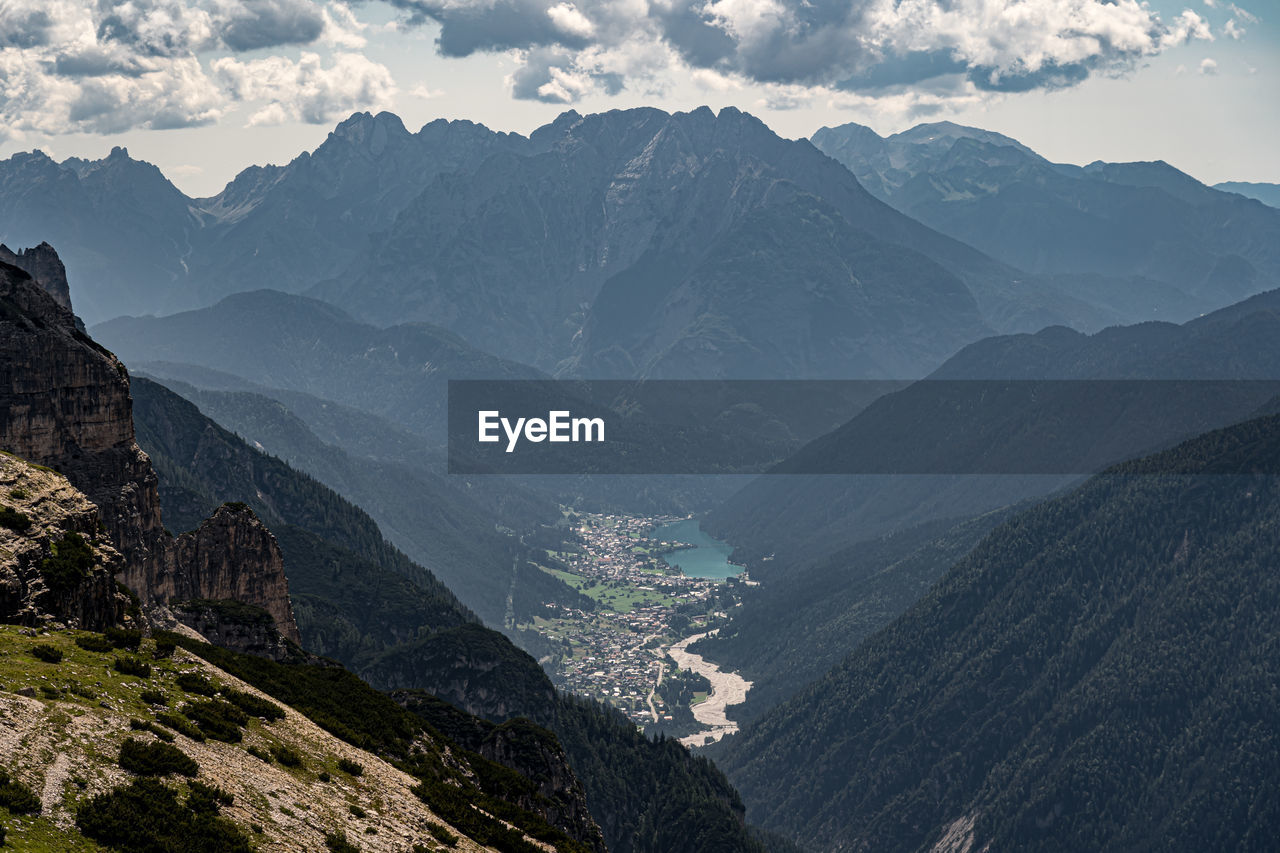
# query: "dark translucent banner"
{"points": [[833, 427]]}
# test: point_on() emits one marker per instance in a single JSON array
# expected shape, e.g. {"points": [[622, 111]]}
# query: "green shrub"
{"points": [[352, 768], [124, 638], [155, 759], [442, 834], [207, 799], [195, 682], [217, 718], [153, 697], [147, 816], [260, 754], [164, 648], [17, 797], [323, 776], [47, 653], [337, 843], [128, 665], [18, 494], [69, 564], [181, 725], [356, 811], [14, 520], [50, 692], [286, 755], [82, 691], [94, 643], [148, 726], [254, 706]]}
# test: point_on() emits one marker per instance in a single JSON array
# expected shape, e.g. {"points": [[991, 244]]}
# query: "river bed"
{"points": [[727, 688]]}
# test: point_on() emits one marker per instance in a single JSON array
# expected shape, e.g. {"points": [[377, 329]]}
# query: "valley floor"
{"points": [[630, 651]]}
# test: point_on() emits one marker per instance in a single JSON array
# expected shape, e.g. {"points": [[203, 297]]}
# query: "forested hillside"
{"points": [[361, 601], [1098, 674]]}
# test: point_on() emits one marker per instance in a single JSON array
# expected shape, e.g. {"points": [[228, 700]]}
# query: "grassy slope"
{"points": [[65, 750]]}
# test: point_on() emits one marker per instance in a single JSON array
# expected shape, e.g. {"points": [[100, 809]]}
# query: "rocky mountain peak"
{"points": [[371, 132], [42, 264], [231, 556]]}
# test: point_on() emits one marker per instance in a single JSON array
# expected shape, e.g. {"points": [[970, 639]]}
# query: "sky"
{"points": [[205, 88]]}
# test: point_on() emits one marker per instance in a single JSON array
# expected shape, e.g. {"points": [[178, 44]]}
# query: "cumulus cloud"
{"points": [[306, 90], [864, 46], [1208, 66], [105, 66]]}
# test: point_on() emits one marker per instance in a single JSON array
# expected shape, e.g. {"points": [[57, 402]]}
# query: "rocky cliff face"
{"points": [[42, 264], [528, 749], [56, 564], [231, 556], [239, 627], [65, 403]]}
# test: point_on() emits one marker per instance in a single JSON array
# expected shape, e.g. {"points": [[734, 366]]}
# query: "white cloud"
{"points": [[305, 90], [107, 66], [422, 91], [1208, 66], [342, 28], [1242, 14], [866, 46], [570, 21], [709, 80]]}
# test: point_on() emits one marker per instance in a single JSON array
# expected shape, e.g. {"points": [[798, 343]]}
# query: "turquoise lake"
{"points": [[710, 559]]}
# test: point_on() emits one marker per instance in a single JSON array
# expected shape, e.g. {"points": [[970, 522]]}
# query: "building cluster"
{"points": [[616, 653]]}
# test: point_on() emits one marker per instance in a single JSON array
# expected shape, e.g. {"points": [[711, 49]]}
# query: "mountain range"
{"points": [[1143, 239], [610, 245], [936, 661]]}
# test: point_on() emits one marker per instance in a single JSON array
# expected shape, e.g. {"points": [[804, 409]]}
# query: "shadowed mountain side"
{"points": [[434, 519], [300, 344], [602, 250], [790, 633], [801, 518], [1094, 675], [360, 600]]}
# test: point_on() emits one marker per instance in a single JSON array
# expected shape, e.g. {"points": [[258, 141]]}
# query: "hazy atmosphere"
{"points": [[651, 426]]}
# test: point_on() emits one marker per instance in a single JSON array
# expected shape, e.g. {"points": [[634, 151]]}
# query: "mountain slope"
{"points": [[1094, 675], [1268, 194], [800, 518], [85, 727], [301, 344], [364, 603], [609, 222], [451, 531], [1142, 239]]}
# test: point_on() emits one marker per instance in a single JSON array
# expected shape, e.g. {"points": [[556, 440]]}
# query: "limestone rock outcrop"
{"points": [[65, 404], [231, 556], [56, 564], [42, 264]]}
